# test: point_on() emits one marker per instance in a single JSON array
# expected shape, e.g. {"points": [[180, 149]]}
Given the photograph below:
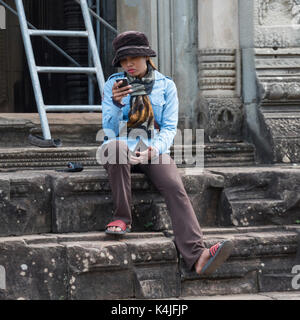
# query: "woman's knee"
{"points": [[169, 182]]}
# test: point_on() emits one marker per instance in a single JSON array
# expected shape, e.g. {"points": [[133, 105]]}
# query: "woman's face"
{"points": [[135, 66]]}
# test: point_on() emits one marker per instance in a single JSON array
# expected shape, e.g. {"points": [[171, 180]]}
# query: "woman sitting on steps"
{"points": [[149, 103]]}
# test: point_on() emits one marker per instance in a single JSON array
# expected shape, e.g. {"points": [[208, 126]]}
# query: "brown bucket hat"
{"points": [[133, 44]]}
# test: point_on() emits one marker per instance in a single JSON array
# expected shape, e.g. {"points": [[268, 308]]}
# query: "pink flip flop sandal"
{"points": [[218, 254], [117, 223]]}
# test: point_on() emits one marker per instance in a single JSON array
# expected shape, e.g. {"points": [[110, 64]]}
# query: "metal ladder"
{"points": [[35, 70]]}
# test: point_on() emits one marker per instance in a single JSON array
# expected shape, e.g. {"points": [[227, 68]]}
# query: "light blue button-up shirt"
{"points": [[164, 102]]}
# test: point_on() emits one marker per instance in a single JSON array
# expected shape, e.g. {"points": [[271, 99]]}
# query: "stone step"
{"points": [[30, 157], [34, 202], [78, 132], [262, 261], [278, 295], [49, 201], [74, 129], [259, 195], [142, 265], [255, 210]]}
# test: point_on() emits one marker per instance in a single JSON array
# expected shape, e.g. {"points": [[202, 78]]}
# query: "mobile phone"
{"points": [[124, 83]]}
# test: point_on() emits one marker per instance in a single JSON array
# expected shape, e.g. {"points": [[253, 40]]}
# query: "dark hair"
{"points": [[151, 63]]}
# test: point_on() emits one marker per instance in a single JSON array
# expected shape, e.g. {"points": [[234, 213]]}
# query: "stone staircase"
{"points": [[78, 132], [52, 244], [142, 265]]}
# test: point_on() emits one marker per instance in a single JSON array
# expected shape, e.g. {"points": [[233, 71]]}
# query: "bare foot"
{"points": [[202, 261]]}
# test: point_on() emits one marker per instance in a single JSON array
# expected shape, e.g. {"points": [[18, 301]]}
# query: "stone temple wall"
{"points": [[219, 110], [271, 77], [236, 65]]}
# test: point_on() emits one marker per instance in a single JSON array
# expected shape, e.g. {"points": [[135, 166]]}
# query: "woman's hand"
{"points": [[120, 93], [144, 156]]}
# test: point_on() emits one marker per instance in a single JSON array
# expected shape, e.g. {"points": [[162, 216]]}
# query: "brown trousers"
{"points": [[165, 177]]}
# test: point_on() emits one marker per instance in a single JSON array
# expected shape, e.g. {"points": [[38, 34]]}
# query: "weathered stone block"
{"points": [[99, 270], [25, 204], [246, 284], [88, 266], [204, 190], [260, 197], [275, 274], [155, 268], [81, 202], [157, 281], [33, 272]]}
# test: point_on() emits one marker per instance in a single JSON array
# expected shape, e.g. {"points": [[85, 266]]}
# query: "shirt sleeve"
{"points": [[112, 114], [164, 139]]}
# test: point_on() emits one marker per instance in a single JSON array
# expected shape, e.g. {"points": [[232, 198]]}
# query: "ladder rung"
{"points": [[75, 108], [58, 33], [65, 70]]}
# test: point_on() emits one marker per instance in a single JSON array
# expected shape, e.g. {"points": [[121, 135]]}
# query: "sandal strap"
{"points": [[214, 249], [118, 223]]}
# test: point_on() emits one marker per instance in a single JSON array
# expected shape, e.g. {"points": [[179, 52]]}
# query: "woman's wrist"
{"points": [[154, 152], [117, 103]]}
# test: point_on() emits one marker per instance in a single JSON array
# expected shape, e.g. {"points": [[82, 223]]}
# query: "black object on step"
{"points": [[72, 167], [42, 143]]}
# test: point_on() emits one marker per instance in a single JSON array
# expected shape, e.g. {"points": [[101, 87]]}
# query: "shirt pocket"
{"points": [[158, 101]]}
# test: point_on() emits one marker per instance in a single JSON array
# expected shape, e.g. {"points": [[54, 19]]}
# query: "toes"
{"points": [[114, 229]]}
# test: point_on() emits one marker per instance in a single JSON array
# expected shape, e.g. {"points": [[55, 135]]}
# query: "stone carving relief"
{"points": [[217, 69], [271, 39], [278, 75], [221, 119], [278, 89], [287, 150], [284, 127], [220, 111], [278, 12], [295, 6], [281, 91]]}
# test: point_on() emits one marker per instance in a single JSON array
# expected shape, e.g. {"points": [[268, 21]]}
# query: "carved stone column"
{"points": [[271, 58], [171, 26], [220, 110]]}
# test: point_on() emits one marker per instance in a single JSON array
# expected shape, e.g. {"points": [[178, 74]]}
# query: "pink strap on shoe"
{"points": [[214, 249]]}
